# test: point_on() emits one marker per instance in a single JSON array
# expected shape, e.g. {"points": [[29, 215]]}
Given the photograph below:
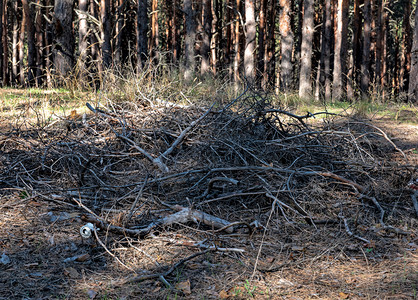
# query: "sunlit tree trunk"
{"points": [[82, 38], [340, 51], [237, 41], [365, 62], [154, 38], [413, 76], [305, 87], [15, 44], [250, 30], [214, 37], [286, 45], [22, 50], [189, 41]]}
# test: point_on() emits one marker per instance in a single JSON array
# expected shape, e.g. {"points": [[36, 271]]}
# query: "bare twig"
{"points": [[350, 233]]}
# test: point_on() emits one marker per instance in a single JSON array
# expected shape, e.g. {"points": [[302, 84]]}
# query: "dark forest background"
{"points": [[322, 49]]}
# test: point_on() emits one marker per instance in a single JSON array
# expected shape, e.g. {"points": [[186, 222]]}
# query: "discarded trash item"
{"points": [[86, 230]]}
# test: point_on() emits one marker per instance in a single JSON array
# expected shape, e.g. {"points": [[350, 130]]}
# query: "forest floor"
{"points": [[316, 208]]}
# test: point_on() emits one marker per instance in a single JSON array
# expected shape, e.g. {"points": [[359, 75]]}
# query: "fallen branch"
{"points": [[350, 233], [183, 215], [163, 274]]}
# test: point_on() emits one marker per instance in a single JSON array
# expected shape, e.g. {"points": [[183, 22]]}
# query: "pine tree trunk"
{"points": [[82, 38], [413, 76], [340, 52], [215, 37], [229, 34], [40, 43], [406, 49], [120, 31], [365, 62], [325, 60], [22, 50], [262, 42], [64, 38], [30, 33], [250, 30], [305, 87], [154, 38], [142, 28], [270, 61], [206, 36], [237, 41], [286, 46], [189, 41], [105, 34], [3, 64], [15, 44]]}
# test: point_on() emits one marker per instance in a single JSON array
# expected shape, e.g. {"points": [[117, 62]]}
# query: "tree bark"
{"points": [[237, 41], [15, 44], [413, 76], [142, 28], [64, 38], [406, 49], [40, 42], [154, 38], [286, 46], [250, 30], [365, 62], [83, 38], [305, 87], [325, 60], [119, 31], [105, 34], [30, 33], [3, 37], [261, 43], [270, 62], [22, 50], [206, 36], [189, 41], [215, 37], [340, 52]]}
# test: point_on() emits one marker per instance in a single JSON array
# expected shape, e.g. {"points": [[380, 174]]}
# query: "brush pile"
{"points": [[245, 169]]}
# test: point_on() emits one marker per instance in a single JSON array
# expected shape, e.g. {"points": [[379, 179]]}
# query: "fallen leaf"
{"points": [[184, 287], [343, 295], [156, 289], [223, 294]]}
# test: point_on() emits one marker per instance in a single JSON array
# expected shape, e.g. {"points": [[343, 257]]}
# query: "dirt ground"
{"points": [[342, 248]]}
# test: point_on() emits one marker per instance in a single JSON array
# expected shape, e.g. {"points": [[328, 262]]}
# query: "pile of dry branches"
{"points": [[133, 171]]}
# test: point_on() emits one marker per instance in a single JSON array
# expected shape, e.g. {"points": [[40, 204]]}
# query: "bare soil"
{"points": [[307, 190]]}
